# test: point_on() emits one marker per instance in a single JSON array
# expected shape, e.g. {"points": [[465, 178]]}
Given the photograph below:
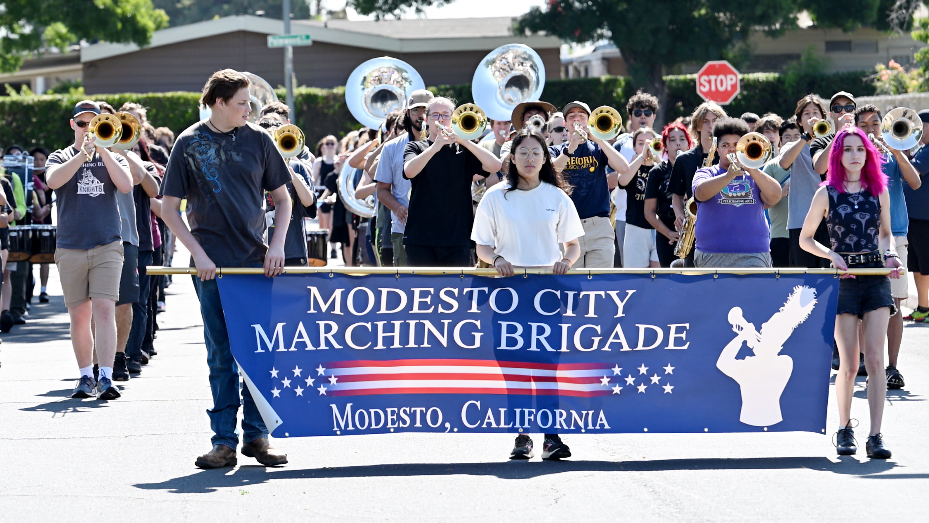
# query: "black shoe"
{"points": [[151, 352], [43, 298], [120, 372], [133, 366], [6, 321], [894, 378], [845, 443], [835, 357], [523, 448], [875, 447], [85, 388], [144, 360], [19, 320], [106, 390], [862, 370], [555, 449], [96, 372]]}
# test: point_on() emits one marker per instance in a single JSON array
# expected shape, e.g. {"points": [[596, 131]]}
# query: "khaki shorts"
{"points": [[91, 273], [899, 288], [597, 244]]}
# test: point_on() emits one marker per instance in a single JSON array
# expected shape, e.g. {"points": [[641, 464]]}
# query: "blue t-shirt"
{"points": [[917, 202], [899, 221], [586, 172], [731, 221]]}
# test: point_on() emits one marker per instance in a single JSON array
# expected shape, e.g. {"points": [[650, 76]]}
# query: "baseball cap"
{"points": [[840, 94], [520, 110], [419, 98], [924, 115], [85, 106], [574, 104]]}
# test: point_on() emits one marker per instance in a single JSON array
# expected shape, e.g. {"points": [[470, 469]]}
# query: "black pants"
{"points": [[665, 250], [425, 256], [780, 252], [801, 258]]}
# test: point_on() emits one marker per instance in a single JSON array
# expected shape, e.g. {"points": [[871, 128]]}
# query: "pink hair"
{"points": [[872, 176]]}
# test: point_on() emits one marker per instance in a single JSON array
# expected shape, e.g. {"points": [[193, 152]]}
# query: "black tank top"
{"points": [[324, 170], [854, 221]]}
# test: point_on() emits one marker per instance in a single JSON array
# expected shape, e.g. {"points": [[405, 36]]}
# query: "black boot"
{"points": [[120, 372]]}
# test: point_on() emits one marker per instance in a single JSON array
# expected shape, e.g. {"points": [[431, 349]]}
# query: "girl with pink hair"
{"points": [[856, 206]]}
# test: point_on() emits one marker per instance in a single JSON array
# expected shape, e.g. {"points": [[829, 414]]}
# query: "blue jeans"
{"points": [[224, 374], [140, 309]]}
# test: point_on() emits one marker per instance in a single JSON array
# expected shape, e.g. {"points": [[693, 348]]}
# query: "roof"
{"points": [[398, 36]]}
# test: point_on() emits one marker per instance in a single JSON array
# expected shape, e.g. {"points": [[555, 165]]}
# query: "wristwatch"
{"points": [[806, 137]]}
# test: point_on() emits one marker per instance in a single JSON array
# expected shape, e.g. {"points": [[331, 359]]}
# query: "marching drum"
{"points": [[20, 243], [316, 244], [44, 241]]}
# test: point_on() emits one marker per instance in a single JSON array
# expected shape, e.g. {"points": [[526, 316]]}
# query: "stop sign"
{"points": [[718, 81]]}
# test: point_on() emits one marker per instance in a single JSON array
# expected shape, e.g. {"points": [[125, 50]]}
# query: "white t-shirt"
{"points": [[526, 227]]}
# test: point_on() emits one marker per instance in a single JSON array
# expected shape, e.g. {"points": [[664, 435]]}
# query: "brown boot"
{"points": [[262, 451], [220, 456]]}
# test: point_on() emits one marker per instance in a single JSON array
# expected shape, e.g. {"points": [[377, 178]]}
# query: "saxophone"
{"points": [[685, 243]]}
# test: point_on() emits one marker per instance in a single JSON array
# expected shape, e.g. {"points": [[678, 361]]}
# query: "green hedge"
{"points": [[42, 120]]}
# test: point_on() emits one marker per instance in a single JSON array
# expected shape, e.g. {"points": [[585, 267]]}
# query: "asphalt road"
{"points": [[70, 460]]}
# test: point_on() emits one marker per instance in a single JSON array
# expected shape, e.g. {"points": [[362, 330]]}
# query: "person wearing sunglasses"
{"points": [[842, 114], [558, 132], [524, 222]]}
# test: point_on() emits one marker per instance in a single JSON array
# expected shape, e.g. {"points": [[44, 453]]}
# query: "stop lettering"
{"points": [[718, 81]]}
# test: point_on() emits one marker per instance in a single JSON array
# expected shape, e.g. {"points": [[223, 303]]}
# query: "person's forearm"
{"points": [[485, 253], [150, 185], [821, 161], [769, 188], [910, 174], [118, 174], [155, 204], [58, 175], [306, 196], [712, 186], [677, 203], [489, 161], [283, 207], [573, 252], [616, 160], [560, 163], [415, 166], [626, 177], [172, 218], [137, 170], [357, 159], [363, 191], [790, 152], [386, 196], [651, 205]]}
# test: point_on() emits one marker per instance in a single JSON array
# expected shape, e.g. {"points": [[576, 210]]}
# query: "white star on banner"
{"points": [[667, 388], [642, 387], [299, 391], [286, 383], [630, 380], [320, 369], [277, 393], [274, 372], [297, 371], [643, 369], [617, 369], [604, 381], [322, 390], [333, 380], [669, 369], [309, 381], [655, 378], [616, 389]]}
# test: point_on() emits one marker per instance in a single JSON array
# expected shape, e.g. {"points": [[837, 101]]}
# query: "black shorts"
{"points": [[917, 259], [864, 294], [801, 258], [129, 279], [5, 239], [780, 252], [325, 207]]}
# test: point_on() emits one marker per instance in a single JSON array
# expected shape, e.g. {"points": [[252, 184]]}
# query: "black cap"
{"points": [[86, 106]]}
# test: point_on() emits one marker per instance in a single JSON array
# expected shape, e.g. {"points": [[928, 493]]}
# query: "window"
{"points": [[838, 46], [903, 59], [865, 47]]}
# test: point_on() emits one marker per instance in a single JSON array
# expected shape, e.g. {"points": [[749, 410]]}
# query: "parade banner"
{"points": [[336, 354]]}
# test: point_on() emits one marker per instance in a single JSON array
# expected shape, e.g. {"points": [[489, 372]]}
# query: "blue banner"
{"points": [[330, 354]]}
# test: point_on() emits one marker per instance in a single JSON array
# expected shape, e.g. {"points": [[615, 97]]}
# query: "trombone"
{"points": [[753, 151], [104, 131], [604, 123], [469, 121], [901, 129], [131, 131], [289, 140]]}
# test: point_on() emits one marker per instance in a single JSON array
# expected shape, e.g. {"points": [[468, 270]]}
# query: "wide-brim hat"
{"points": [[517, 118]]}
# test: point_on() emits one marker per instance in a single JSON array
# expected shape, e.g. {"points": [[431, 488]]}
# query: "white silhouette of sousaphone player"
{"points": [[764, 376]]}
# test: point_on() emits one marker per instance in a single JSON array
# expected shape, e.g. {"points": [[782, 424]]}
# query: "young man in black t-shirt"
{"points": [[223, 165], [842, 113], [441, 168]]}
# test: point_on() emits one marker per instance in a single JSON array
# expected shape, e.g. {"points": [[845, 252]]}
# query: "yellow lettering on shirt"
{"points": [[582, 162]]}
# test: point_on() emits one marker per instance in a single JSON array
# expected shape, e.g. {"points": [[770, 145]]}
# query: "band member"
{"points": [[498, 136], [223, 165], [779, 133], [514, 226], [440, 170], [639, 249], [856, 207], [523, 114], [583, 161], [281, 109], [327, 161], [558, 132], [898, 169], [89, 252], [731, 230], [393, 188], [659, 199], [379, 225], [804, 181], [917, 205], [841, 112]]}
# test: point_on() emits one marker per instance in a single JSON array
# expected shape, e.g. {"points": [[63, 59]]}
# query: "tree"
{"points": [[30, 26], [183, 12]]}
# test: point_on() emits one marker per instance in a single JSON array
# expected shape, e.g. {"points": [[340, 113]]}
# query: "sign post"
{"points": [[718, 81]]}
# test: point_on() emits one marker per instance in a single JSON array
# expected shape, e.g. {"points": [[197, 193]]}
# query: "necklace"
{"points": [[231, 133], [854, 199]]}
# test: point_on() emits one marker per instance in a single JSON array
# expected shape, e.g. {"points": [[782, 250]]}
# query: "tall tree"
{"points": [[29, 26], [183, 12]]}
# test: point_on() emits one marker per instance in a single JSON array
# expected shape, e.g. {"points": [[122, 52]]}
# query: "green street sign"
{"points": [[289, 40]]}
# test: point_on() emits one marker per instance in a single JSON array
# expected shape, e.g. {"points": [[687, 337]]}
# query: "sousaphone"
{"points": [[510, 75]]}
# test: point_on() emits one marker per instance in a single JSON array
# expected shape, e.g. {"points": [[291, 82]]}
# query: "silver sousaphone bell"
{"points": [[510, 75], [260, 94], [379, 87]]}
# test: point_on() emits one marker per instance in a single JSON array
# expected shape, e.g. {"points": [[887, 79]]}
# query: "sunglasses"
{"points": [[559, 129], [850, 108], [80, 123], [640, 112], [329, 144]]}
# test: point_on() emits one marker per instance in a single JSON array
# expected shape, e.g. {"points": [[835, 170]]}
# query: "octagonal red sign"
{"points": [[718, 81]]}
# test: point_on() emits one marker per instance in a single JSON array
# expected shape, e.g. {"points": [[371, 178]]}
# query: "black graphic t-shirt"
{"points": [[659, 187], [635, 198], [854, 221], [224, 176], [88, 215], [586, 172]]}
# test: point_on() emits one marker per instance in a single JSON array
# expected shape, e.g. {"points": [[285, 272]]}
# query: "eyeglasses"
{"points": [[559, 129], [522, 153], [848, 108], [80, 123], [640, 112], [329, 144], [440, 116]]}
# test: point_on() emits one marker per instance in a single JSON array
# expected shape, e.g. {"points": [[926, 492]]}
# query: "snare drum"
{"points": [[44, 241], [20, 243], [316, 243]]}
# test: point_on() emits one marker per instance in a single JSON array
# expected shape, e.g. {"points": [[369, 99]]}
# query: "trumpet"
{"points": [[607, 123], [656, 147], [289, 139], [537, 123], [880, 147], [469, 121], [131, 131], [580, 130], [753, 151], [901, 129], [822, 128], [103, 131]]}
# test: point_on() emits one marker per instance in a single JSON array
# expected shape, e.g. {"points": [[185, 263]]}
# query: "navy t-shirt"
{"points": [[917, 202], [586, 172]]}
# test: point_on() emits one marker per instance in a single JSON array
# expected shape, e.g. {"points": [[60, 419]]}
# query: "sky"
{"points": [[457, 9]]}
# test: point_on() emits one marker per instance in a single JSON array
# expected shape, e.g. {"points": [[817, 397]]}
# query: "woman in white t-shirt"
{"points": [[521, 222]]}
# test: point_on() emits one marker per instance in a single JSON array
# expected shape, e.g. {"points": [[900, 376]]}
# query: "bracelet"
{"points": [[494, 262], [570, 263], [889, 254]]}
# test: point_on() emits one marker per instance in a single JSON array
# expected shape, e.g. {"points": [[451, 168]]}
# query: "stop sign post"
{"points": [[718, 81]]}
